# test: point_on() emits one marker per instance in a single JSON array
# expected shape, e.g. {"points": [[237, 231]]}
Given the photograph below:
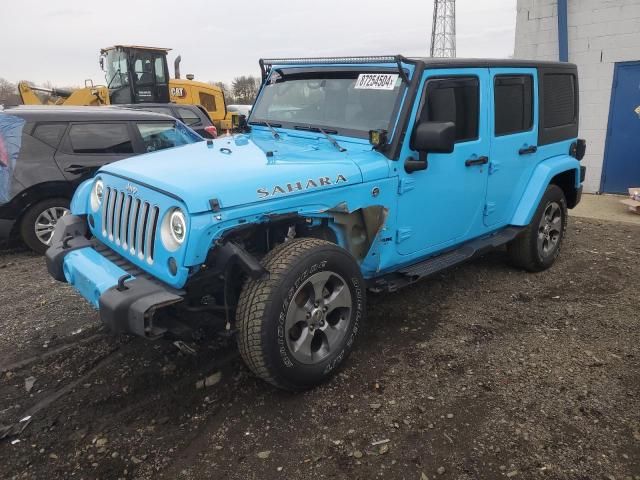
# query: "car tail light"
{"points": [[211, 130]]}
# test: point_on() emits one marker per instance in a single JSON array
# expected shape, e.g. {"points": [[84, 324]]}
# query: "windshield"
{"points": [[346, 102], [116, 68]]}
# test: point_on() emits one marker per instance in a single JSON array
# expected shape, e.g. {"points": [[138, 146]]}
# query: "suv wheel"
{"points": [[40, 220], [299, 323], [538, 246]]}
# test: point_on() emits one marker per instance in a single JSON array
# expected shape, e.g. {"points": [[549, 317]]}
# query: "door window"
{"points": [[160, 135], [454, 100], [189, 117], [100, 138], [513, 102], [159, 67], [148, 68]]}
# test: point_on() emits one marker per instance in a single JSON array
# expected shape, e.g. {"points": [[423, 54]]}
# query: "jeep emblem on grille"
{"points": [[131, 189]]}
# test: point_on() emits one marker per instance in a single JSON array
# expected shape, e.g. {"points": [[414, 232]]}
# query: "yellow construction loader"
{"points": [[137, 74]]}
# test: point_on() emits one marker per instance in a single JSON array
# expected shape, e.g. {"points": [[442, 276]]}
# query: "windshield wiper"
{"points": [[323, 132], [274, 132]]}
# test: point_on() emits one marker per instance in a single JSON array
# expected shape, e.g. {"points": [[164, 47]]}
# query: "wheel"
{"points": [[297, 325], [538, 246], [39, 221]]}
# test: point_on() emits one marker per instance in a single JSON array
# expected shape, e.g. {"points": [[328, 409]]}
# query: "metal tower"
{"points": [[443, 33]]}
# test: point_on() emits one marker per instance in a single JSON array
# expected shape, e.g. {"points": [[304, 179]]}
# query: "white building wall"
{"points": [[601, 32]]}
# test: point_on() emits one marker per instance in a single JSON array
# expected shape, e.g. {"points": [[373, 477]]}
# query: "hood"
{"points": [[244, 169]]}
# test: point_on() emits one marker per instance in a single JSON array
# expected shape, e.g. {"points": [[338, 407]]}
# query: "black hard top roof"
{"points": [[488, 62], [428, 62], [78, 113]]}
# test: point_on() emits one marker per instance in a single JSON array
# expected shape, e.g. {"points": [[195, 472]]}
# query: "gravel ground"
{"points": [[483, 372]]}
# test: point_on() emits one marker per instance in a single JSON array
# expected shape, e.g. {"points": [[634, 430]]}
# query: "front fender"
{"points": [[80, 200], [540, 179]]}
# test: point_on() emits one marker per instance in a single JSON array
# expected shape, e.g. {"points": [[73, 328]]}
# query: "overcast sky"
{"points": [[60, 40]]}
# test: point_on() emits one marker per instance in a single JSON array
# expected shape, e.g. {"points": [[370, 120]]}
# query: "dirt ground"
{"points": [[483, 372]]}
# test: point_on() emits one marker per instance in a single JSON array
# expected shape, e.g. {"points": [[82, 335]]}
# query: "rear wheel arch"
{"points": [[567, 182], [37, 193], [39, 220]]}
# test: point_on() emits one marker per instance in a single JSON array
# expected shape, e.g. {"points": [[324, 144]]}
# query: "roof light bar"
{"points": [[267, 63], [329, 60]]}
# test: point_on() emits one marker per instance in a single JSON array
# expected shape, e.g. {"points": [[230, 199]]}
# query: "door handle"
{"points": [[528, 150], [476, 161], [77, 169]]}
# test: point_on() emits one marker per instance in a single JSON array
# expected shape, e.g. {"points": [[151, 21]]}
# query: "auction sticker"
{"points": [[377, 81]]}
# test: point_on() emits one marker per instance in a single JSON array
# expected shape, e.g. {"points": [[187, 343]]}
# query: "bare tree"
{"points": [[226, 90], [245, 88], [8, 93]]}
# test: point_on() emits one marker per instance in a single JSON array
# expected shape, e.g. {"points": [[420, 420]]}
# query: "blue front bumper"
{"points": [[91, 274], [126, 297]]}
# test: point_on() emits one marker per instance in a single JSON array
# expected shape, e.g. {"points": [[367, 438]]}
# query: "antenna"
{"points": [[443, 33]]}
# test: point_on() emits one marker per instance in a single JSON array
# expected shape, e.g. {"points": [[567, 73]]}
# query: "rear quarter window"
{"points": [[559, 100], [49, 133], [558, 104]]}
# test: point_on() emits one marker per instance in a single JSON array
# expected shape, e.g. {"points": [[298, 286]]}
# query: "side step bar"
{"points": [[408, 275]]}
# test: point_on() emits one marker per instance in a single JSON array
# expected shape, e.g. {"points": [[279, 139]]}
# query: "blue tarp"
{"points": [[10, 142]]}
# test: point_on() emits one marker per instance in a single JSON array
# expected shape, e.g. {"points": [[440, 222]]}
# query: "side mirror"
{"points": [[430, 137]]}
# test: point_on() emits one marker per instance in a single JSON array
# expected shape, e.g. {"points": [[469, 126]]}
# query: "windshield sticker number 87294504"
{"points": [[377, 81]]}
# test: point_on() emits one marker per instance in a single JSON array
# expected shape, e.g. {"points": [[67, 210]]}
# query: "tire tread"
{"points": [[256, 299]]}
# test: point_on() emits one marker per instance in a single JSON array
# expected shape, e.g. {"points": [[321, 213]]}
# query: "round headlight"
{"points": [[178, 226], [97, 193], [173, 230]]}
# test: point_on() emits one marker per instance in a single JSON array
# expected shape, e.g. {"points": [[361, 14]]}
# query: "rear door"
{"points": [[89, 145], [514, 134]]}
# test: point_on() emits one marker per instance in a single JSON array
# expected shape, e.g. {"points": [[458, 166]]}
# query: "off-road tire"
{"points": [[524, 250], [28, 221], [264, 303]]}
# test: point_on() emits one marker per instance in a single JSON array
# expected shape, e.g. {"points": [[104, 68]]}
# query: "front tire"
{"points": [[298, 324], [538, 246], [39, 221]]}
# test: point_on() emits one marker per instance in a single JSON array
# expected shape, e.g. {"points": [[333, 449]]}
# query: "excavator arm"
{"points": [[95, 96]]}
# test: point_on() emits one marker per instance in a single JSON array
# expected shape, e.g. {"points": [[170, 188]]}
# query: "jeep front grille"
{"points": [[130, 223]]}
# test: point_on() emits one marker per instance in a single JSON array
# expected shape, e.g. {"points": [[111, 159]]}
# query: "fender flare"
{"points": [[540, 179], [80, 199]]}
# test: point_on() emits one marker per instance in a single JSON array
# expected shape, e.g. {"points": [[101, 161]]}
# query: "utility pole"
{"points": [[443, 33]]}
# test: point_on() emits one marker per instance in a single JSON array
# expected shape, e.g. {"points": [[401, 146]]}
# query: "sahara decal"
{"points": [[300, 186]]}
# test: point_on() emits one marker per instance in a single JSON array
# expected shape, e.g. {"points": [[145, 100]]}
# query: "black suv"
{"points": [[46, 151], [194, 116]]}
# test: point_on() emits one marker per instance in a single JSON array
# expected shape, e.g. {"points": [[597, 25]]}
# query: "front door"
{"points": [[442, 205], [514, 135], [622, 157], [150, 76]]}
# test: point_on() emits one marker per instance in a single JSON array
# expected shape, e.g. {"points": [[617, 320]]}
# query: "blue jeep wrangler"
{"points": [[351, 174]]}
